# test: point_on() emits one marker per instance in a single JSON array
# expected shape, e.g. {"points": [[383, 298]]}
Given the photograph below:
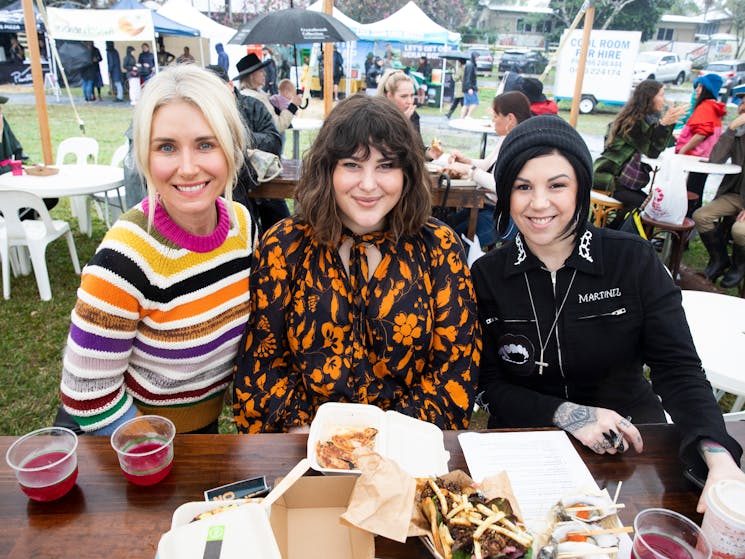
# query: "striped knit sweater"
{"points": [[158, 321]]}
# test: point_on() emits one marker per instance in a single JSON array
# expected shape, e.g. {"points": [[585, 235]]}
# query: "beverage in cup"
{"points": [[665, 534], [16, 167], [45, 462], [144, 446], [724, 520]]}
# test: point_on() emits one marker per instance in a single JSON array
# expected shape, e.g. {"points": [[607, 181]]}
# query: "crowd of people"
{"points": [[360, 295]]}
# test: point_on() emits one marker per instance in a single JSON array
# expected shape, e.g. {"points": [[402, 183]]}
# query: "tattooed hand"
{"points": [[601, 429], [721, 466]]}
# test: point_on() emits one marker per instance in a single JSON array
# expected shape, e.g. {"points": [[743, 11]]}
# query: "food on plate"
{"points": [[340, 451], [216, 510], [585, 508], [436, 144], [570, 550], [463, 523]]}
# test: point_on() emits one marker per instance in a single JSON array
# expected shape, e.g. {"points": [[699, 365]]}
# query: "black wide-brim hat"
{"points": [[250, 64]]}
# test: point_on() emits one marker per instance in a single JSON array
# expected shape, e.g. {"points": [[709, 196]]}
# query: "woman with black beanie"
{"points": [[571, 313]]}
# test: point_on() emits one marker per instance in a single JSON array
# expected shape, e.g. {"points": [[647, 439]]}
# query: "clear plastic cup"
{"points": [[665, 534], [45, 462], [144, 446]]}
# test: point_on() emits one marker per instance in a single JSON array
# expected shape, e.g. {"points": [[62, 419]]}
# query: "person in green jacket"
{"points": [[641, 127]]}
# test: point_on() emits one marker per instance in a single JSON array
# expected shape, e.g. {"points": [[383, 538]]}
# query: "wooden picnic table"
{"points": [[462, 194], [105, 516]]}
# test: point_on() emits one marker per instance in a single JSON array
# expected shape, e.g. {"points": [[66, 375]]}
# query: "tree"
{"points": [[637, 15], [735, 9]]}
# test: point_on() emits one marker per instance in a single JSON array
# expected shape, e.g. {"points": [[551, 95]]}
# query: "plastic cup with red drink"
{"points": [[45, 462], [665, 534], [144, 445]]}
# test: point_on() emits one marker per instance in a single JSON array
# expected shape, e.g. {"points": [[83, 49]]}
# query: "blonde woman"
{"points": [[162, 304]]}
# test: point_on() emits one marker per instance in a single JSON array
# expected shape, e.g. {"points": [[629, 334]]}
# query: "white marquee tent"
{"points": [[182, 12]]}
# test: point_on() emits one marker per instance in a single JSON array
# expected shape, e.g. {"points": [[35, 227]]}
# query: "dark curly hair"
{"points": [[356, 125]]}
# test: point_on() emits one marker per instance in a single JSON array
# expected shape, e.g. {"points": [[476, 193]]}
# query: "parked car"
{"points": [[484, 60], [661, 66], [522, 62], [732, 73]]}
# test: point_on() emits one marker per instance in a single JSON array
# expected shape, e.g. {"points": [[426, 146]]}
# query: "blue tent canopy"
{"points": [[163, 25]]}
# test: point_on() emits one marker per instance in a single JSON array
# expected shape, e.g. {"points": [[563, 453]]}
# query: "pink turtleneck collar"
{"points": [[169, 229]]}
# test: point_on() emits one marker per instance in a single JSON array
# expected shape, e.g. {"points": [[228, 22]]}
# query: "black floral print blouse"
{"points": [[407, 340]]}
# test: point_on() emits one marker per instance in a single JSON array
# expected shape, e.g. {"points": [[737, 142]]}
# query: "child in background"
{"points": [[282, 100]]}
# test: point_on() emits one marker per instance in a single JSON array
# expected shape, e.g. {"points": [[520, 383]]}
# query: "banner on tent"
{"points": [[102, 25]]}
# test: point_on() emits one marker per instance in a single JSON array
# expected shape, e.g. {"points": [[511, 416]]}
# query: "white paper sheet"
{"points": [[543, 466]]}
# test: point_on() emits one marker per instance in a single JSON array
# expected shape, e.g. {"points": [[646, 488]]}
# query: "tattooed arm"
{"points": [[721, 466], [588, 425]]}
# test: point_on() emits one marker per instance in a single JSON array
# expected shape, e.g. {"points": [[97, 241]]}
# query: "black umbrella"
{"points": [[294, 25], [455, 55]]}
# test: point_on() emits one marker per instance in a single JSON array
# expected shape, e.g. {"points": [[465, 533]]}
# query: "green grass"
{"points": [[34, 332]]}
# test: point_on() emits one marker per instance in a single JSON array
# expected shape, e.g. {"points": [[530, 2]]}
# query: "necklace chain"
{"points": [[541, 363]]}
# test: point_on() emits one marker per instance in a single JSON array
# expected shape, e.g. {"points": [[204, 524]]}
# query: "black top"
{"points": [[623, 311]]}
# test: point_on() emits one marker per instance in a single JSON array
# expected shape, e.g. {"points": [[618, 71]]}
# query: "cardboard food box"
{"points": [[417, 446], [239, 532], [306, 521]]}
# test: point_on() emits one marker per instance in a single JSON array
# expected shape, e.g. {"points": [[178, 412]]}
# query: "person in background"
{"points": [[338, 73], [369, 61], [373, 75], [701, 131], [457, 89], [163, 302], [286, 95], [470, 88], [114, 64], [389, 56], [132, 70], [164, 57], [17, 53], [97, 77], [425, 69], [729, 201], [270, 71], [398, 87], [361, 296], [222, 57], [251, 78], [572, 314], [533, 90], [508, 110], [186, 57], [644, 127], [284, 70], [146, 61]]}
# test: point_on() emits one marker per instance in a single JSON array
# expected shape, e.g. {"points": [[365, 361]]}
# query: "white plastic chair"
{"points": [[113, 198], [734, 416], [83, 150], [34, 234]]}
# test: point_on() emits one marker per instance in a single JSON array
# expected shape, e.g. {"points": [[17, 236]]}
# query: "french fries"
{"points": [[463, 519]]}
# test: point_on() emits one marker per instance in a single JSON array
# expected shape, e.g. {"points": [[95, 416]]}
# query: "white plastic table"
{"points": [[675, 166], [298, 125], [72, 180], [717, 324], [480, 125]]}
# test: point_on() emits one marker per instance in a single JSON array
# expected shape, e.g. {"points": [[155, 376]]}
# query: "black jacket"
{"points": [[623, 311]]}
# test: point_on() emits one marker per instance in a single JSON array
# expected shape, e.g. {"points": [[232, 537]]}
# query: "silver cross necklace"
{"points": [[541, 363]]}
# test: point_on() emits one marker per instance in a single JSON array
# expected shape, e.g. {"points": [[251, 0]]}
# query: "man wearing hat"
{"points": [[728, 202], [251, 76], [533, 90]]}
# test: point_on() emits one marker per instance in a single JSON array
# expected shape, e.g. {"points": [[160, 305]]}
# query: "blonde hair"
{"points": [[391, 81], [286, 84], [205, 91]]}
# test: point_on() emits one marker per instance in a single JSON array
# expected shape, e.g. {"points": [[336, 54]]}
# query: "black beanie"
{"points": [[540, 131]]}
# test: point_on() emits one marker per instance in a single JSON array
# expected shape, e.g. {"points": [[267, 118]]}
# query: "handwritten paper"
{"points": [[543, 466]]}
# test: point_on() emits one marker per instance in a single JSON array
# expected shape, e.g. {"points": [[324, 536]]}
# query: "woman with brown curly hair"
{"points": [[640, 128], [361, 296]]}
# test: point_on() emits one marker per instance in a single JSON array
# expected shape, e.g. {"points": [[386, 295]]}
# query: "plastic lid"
{"points": [[727, 497]]}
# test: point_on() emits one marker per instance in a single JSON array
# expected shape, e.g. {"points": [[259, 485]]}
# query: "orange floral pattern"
{"points": [[407, 340]]}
